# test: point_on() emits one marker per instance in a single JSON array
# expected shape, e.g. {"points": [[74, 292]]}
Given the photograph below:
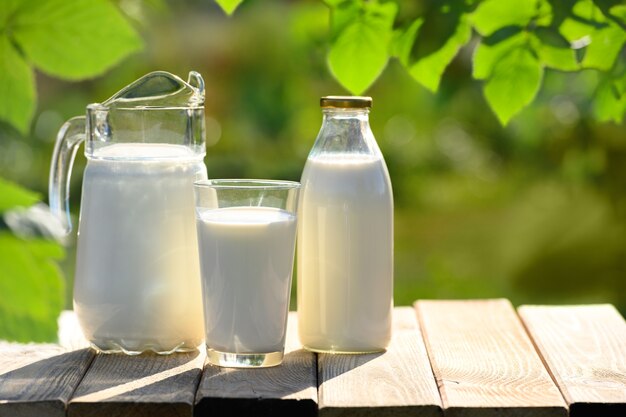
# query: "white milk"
{"points": [[345, 254], [137, 282], [246, 257]]}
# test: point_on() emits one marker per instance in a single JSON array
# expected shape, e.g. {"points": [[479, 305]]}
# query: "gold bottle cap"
{"points": [[354, 102]]}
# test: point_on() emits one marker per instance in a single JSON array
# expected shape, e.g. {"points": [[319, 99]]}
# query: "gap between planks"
{"points": [[584, 348]]}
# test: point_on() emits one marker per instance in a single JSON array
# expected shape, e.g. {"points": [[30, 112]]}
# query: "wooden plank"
{"points": [[144, 385], [289, 389], [584, 348], [38, 379], [484, 362], [394, 383]]}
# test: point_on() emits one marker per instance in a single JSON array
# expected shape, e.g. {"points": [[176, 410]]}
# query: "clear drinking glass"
{"points": [[247, 235]]}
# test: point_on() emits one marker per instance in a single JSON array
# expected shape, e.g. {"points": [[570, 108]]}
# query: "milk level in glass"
{"points": [[246, 256], [137, 283]]}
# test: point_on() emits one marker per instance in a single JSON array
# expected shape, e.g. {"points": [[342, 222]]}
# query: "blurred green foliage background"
{"points": [[534, 212]]}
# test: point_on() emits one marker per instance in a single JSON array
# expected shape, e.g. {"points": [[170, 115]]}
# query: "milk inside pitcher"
{"points": [[137, 279]]}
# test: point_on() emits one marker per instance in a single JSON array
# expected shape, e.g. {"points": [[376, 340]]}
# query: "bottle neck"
{"points": [[338, 114], [345, 130]]}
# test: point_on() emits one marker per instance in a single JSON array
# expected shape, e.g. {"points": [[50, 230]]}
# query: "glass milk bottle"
{"points": [[345, 235], [137, 279]]}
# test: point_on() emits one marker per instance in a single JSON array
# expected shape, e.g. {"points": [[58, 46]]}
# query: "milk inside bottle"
{"points": [[345, 236], [137, 280]]}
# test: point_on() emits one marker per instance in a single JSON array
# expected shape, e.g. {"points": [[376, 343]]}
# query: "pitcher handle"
{"points": [[71, 134]]}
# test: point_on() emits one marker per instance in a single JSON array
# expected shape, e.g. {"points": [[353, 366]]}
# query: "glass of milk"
{"points": [[246, 235]]}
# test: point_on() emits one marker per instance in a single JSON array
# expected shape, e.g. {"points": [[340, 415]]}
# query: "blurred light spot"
{"points": [[399, 130], [133, 8], [564, 110], [465, 153], [582, 42], [454, 142], [213, 131], [47, 125], [35, 221], [16, 157]]}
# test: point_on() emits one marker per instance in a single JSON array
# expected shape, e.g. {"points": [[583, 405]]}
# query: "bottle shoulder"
{"points": [[345, 164], [343, 178], [345, 134]]}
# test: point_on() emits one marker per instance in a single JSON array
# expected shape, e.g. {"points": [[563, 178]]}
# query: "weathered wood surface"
{"points": [[484, 362], [286, 390], [394, 383], [584, 348], [146, 385], [38, 380]]}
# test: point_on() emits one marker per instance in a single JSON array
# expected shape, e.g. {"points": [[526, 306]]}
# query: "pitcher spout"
{"points": [[159, 89]]}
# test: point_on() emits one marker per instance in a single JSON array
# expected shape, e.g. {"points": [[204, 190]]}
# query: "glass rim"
{"points": [[247, 184], [98, 107]]}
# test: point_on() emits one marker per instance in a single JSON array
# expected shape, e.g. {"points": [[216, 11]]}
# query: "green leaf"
{"points": [[342, 14], [601, 38], [7, 9], [620, 85], [361, 50], [32, 289], [358, 57], [544, 15], [514, 83], [577, 33], [17, 88], [73, 39], [403, 41], [605, 46], [491, 15], [554, 51], [619, 12], [489, 52], [429, 69], [577, 27], [609, 103], [12, 195], [229, 6], [563, 59]]}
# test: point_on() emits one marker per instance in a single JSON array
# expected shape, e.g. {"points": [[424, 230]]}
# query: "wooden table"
{"points": [[447, 358]]}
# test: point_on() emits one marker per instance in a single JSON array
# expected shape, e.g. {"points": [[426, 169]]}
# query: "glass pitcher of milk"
{"points": [[137, 279], [345, 235]]}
